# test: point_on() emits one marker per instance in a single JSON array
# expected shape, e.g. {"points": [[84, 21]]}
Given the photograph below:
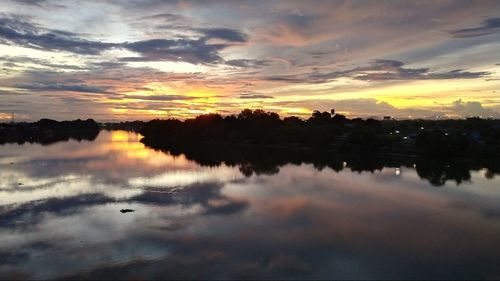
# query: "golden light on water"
{"points": [[127, 146]]}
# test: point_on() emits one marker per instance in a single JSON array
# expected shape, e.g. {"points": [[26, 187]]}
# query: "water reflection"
{"points": [[262, 160], [240, 216]]}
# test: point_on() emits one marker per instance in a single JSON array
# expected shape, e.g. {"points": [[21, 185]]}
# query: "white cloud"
{"points": [[473, 108]]}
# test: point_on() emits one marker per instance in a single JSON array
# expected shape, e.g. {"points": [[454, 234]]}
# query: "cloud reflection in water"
{"points": [[193, 221]]}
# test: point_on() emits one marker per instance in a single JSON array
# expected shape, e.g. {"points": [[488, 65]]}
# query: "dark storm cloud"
{"points": [[489, 26], [50, 86], [26, 34]]}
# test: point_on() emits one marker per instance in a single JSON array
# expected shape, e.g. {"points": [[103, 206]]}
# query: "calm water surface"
{"points": [[60, 218]]}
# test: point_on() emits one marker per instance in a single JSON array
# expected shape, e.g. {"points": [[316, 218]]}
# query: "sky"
{"points": [[140, 60]]}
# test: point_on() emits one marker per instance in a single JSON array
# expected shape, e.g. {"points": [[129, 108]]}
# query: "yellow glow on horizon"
{"points": [[294, 111], [119, 110], [5, 116], [429, 94], [423, 94], [201, 93], [296, 99]]}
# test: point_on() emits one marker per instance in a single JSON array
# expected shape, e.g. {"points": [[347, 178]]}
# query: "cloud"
{"points": [[5, 116], [51, 86], [195, 51], [15, 61], [473, 108], [395, 70], [37, 3], [108, 64], [381, 70], [10, 93], [489, 26], [226, 34], [363, 107], [387, 64], [369, 107], [190, 50], [256, 96], [159, 97], [247, 63], [165, 16], [33, 211], [25, 34]]}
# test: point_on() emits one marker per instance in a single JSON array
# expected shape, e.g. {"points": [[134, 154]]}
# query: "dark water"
{"points": [[60, 217]]}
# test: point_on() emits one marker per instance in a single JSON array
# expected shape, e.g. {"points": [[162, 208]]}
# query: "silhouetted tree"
{"points": [[322, 129]]}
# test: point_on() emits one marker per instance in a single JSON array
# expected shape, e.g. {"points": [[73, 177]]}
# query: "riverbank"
{"points": [[472, 137], [48, 131]]}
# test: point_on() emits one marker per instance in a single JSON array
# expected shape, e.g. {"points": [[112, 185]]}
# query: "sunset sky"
{"points": [[128, 60]]}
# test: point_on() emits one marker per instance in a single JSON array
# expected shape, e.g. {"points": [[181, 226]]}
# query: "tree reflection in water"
{"points": [[268, 160]]}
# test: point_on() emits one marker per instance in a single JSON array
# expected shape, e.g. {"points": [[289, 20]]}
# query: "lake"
{"points": [[60, 216]]}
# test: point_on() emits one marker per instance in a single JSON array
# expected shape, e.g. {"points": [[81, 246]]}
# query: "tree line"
{"points": [[471, 136], [47, 131]]}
